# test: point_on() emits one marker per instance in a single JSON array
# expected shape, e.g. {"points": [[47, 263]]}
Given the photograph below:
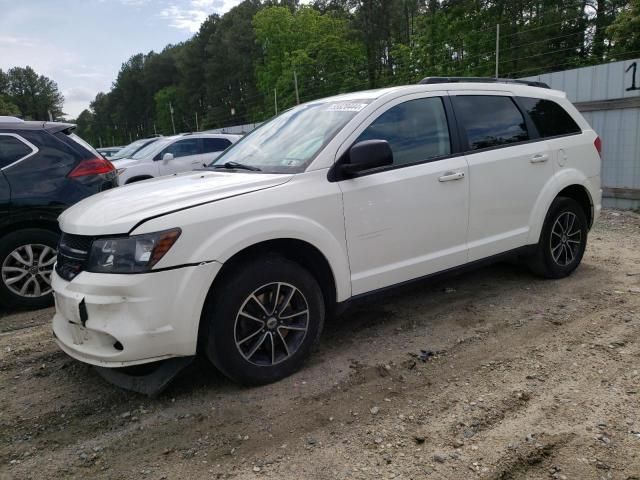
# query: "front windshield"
{"points": [[152, 148], [132, 148], [289, 142]]}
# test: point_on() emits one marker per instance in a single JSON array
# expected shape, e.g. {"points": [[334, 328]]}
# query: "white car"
{"points": [[170, 155], [330, 201]]}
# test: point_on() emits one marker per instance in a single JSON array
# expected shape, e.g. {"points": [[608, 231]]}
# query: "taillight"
{"points": [[92, 166], [598, 144]]}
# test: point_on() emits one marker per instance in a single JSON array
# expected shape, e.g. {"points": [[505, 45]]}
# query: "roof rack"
{"points": [[434, 80]]}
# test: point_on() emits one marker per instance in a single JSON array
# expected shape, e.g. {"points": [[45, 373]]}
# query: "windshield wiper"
{"points": [[236, 166]]}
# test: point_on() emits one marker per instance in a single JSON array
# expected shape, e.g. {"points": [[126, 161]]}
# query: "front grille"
{"points": [[73, 254]]}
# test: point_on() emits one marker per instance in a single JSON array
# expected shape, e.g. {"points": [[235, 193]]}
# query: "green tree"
{"points": [[84, 124], [320, 49], [35, 96], [165, 100], [625, 29], [226, 74], [8, 108], [230, 56]]}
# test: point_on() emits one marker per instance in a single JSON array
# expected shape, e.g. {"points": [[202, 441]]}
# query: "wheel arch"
{"points": [[302, 252], [569, 183], [28, 224], [581, 195]]}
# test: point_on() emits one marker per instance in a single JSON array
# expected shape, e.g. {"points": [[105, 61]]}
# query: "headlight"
{"points": [[134, 254]]}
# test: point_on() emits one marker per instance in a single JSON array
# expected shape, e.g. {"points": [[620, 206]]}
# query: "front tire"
{"points": [[262, 321], [562, 241], [26, 264]]}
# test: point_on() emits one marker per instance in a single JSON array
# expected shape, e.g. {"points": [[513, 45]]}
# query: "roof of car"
{"points": [[515, 88], [35, 125]]}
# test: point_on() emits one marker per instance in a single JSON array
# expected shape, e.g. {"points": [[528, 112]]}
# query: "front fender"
{"points": [[553, 187], [235, 237]]}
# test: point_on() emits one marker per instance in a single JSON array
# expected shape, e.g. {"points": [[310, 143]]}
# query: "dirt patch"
{"points": [[493, 374]]}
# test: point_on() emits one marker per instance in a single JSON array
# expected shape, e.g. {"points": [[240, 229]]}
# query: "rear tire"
{"points": [[562, 241], [26, 263], [262, 321]]}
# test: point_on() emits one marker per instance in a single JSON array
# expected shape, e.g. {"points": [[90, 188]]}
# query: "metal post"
{"points": [[497, 48], [100, 141], [197, 127], [154, 129], [172, 122], [295, 82], [275, 99]]}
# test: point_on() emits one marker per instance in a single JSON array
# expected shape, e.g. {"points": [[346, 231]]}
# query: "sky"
{"points": [[81, 44]]}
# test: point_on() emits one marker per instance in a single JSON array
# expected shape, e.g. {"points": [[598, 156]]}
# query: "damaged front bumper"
{"points": [[111, 320]]}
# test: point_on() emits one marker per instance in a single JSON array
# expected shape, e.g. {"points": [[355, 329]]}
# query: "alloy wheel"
{"points": [[566, 239], [271, 324], [27, 270]]}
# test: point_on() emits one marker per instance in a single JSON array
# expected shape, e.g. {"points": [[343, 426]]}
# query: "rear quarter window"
{"points": [[211, 145], [550, 118]]}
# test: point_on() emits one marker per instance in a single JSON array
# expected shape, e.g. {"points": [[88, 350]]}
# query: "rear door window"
{"points": [[212, 145], [184, 148], [490, 121], [550, 119], [12, 149]]}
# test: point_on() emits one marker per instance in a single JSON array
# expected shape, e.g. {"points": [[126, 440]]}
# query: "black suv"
{"points": [[44, 168]]}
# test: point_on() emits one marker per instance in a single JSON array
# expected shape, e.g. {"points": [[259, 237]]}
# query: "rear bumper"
{"points": [[123, 320]]}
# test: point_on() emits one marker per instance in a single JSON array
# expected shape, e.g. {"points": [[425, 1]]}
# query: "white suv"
{"points": [[333, 199], [169, 155]]}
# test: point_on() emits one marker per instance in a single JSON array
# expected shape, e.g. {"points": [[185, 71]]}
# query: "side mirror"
{"points": [[167, 157], [366, 155]]}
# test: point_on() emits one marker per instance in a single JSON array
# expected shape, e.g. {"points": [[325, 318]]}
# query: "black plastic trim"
{"points": [[151, 384], [439, 80], [532, 130], [520, 251]]}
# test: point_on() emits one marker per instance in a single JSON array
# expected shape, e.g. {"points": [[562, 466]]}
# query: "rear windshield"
{"points": [[84, 144]]}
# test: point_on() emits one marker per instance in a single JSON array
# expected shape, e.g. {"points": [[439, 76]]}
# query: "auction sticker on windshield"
{"points": [[346, 107]]}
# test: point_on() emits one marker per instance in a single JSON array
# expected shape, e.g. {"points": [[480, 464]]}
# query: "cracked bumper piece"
{"points": [[111, 320]]}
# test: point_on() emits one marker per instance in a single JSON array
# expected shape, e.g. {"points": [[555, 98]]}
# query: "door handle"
{"points": [[539, 158], [449, 176]]}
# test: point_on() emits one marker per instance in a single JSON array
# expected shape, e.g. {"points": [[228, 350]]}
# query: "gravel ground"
{"points": [[493, 374]]}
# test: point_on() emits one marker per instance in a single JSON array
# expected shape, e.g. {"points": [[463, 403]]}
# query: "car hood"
{"points": [[121, 209]]}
